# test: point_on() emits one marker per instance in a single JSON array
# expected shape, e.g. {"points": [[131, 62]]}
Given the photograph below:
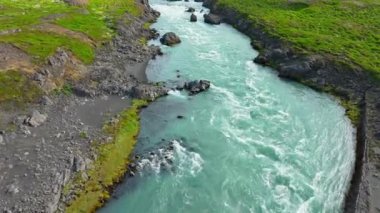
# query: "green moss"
{"points": [[111, 164], [143, 41], [349, 30], [41, 45], [83, 135], [352, 111], [147, 25], [17, 88]]}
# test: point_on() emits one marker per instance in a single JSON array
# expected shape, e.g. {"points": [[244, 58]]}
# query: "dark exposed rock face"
{"points": [[195, 87], [212, 19], [323, 72], [190, 10], [193, 18], [170, 39]]}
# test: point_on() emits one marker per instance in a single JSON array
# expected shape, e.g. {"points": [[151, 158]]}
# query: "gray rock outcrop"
{"points": [[170, 39]]}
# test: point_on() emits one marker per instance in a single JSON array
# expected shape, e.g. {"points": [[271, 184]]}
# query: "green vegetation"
{"points": [[352, 111], [41, 45], [16, 88], [112, 161], [143, 41], [94, 21], [349, 30], [147, 25], [65, 89], [83, 135]]}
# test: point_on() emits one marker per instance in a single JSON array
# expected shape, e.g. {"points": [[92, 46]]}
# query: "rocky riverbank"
{"points": [[44, 145], [350, 83]]}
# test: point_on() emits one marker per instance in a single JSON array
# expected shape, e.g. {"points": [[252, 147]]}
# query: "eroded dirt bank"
{"points": [[325, 73]]}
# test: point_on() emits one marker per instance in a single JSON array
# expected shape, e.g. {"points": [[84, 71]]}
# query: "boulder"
{"points": [[190, 10], [212, 19], [193, 18], [195, 87], [79, 164], [148, 92], [36, 119], [170, 39], [261, 59]]}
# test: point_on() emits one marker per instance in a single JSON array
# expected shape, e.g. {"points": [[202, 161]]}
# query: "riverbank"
{"points": [[49, 134], [349, 82]]}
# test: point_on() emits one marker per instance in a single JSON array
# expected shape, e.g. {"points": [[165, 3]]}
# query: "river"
{"points": [[252, 143]]}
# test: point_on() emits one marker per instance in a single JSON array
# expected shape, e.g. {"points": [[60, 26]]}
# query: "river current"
{"points": [[252, 143]]}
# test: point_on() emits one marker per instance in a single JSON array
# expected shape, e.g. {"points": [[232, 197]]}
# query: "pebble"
{"points": [[12, 189]]}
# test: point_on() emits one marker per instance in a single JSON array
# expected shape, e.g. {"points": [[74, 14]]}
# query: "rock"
{"points": [[79, 164], [260, 59], [46, 101], [190, 10], [297, 69], [1, 139], [59, 59], [193, 18], [195, 87], [212, 19], [81, 91], [36, 119], [180, 86], [153, 34], [148, 92], [170, 39], [12, 189]]}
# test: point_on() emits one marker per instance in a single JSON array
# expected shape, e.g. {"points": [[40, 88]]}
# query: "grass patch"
{"points": [[66, 89], [346, 29], [83, 135], [92, 25], [25, 13], [96, 20], [147, 25], [41, 45], [111, 164], [16, 88], [352, 111]]}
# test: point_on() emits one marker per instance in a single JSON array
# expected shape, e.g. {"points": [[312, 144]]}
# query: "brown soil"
{"points": [[12, 58], [52, 28]]}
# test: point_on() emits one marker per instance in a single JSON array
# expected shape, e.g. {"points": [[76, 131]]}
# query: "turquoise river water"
{"points": [[252, 143]]}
